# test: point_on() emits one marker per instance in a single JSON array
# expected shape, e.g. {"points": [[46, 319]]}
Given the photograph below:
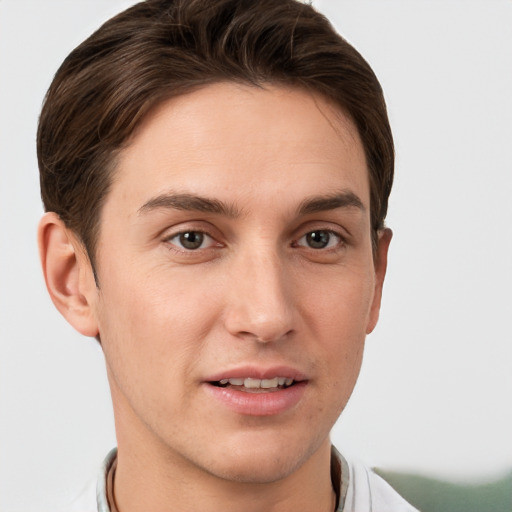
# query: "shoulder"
{"points": [[368, 492], [85, 501], [94, 496]]}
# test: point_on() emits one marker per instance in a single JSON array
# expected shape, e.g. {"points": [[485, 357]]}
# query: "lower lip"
{"points": [[259, 404]]}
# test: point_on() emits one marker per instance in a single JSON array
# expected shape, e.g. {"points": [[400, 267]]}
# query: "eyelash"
{"points": [[338, 238], [187, 250], [339, 241]]}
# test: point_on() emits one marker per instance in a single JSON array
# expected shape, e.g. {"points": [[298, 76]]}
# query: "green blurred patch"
{"points": [[431, 495]]}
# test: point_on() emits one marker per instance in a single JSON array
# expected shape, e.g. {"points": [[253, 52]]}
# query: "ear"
{"points": [[381, 263], [68, 274]]}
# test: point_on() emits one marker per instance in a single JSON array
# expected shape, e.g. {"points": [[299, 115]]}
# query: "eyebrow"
{"points": [[344, 199], [189, 202]]}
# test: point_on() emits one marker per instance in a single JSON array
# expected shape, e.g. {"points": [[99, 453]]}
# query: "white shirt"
{"points": [[368, 492]]}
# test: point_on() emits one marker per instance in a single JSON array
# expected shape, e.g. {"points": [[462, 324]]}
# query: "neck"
{"points": [[162, 482]]}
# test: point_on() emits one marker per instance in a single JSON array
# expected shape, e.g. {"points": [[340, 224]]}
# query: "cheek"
{"points": [[151, 339], [151, 326], [339, 304], [338, 316]]}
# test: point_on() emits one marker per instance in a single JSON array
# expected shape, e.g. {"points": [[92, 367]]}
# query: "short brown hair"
{"points": [[158, 49]]}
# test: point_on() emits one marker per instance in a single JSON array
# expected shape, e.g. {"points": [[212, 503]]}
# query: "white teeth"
{"points": [[251, 383], [269, 383]]}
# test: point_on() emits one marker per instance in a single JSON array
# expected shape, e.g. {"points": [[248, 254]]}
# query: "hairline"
{"points": [[165, 95]]}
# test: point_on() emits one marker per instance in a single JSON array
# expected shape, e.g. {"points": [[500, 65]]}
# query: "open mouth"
{"points": [[251, 396], [250, 385]]}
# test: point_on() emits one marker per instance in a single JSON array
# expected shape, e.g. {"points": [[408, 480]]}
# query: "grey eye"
{"points": [[319, 239]]}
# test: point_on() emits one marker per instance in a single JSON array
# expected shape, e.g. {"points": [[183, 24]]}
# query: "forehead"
{"points": [[243, 143]]}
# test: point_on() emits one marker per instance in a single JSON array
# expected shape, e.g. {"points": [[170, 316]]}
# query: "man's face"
{"points": [[235, 251]]}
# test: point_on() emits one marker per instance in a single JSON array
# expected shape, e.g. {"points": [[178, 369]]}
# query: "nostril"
{"points": [[262, 337], [260, 320]]}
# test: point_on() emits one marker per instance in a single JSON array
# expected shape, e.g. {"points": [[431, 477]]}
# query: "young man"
{"points": [[216, 177]]}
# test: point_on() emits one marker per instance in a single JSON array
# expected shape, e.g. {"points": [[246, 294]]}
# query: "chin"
{"points": [[263, 460], [255, 469]]}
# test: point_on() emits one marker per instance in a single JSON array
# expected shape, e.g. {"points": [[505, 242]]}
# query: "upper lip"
{"points": [[257, 372]]}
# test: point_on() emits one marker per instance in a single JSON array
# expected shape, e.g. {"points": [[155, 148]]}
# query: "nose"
{"points": [[260, 304]]}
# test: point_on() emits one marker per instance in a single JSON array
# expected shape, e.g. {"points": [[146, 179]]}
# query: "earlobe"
{"points": [[68, 274], [381, 263]]}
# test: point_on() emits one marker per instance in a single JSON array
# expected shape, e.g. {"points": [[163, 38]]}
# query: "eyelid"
{"points": [[170, 239], [331, 226], [171, 233], [341, 240]]}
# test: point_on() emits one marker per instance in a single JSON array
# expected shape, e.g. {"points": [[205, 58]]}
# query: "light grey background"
{"points": [[435, 390]]}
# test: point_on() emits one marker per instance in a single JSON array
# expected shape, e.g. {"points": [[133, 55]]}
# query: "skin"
{"points": [[254, 293]]}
